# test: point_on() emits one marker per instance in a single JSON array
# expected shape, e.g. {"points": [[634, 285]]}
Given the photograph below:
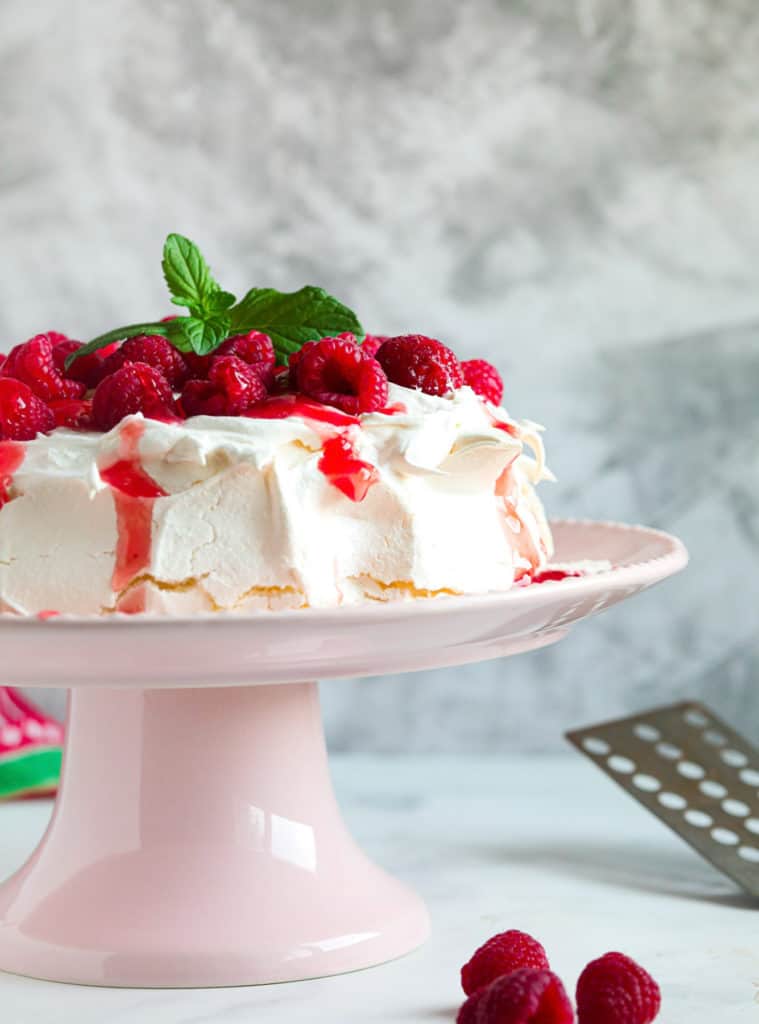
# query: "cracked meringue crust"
{"points": [[244, 518]]}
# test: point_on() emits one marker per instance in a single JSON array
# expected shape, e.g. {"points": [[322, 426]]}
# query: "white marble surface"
{"points": [[543, 844]]}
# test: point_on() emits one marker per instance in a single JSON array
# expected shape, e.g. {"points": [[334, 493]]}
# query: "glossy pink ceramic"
{"points": [[196, 840]]}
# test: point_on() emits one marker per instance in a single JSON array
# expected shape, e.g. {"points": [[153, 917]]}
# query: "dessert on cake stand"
{"points": [[196, 840]]}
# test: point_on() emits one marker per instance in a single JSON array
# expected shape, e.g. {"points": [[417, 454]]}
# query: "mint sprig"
{"points": [[189, 279], [293, 318], [289, 318]]}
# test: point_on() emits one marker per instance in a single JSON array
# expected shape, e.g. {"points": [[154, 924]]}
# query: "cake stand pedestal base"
{"points": [[196, 841]]}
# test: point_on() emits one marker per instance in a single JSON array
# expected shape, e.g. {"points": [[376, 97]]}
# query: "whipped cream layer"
{"points": [[307, 507]]}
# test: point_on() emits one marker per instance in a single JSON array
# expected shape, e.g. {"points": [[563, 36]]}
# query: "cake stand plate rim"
{"points": [[356, 641]]}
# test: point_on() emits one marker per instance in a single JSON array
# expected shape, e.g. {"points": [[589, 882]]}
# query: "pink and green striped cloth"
{"points": [[30, 748]]}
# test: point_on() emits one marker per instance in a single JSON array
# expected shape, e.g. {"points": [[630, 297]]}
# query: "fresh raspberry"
{"points": [[371, 344], [336, 372], [414, 361], [153, 350], [526, 996], [500, 955], [238, 381], [616, 990], [22, 414], [254, 348], [88, 370], [201, 398], [73, 413], [293, 361], [295, 357], [136, 387], [33, 364], [483, 378], [468, 1011], [57, 337], [199, 366], [233, 386]]}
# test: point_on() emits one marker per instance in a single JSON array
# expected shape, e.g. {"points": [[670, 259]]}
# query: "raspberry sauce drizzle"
{"points": [[553, 575], [12, 454], [396, 409], [515, 528], [345, 471], [284, 406], [134, 494], [508, 428], [339, 462]]}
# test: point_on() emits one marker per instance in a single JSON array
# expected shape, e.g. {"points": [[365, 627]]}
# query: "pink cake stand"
{"points": [[196, 840]]}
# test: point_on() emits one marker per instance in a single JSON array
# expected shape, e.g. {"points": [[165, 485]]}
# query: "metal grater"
{"points": [[693, 771]]}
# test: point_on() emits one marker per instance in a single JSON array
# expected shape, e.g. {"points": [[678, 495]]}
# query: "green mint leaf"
{"points": [[118, 334], [203, 336], [176, 334], [289, 318], [218, 302], [293, 318], [189, 279]]}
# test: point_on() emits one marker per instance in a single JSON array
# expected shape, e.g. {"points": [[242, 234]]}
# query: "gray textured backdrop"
{"points": [[566, 186]]}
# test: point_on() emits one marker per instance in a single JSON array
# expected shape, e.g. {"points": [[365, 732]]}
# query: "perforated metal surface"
{"points": [[694, 772]]}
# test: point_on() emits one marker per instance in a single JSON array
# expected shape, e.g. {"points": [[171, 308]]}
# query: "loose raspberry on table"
{"points": [[33, 364], [502, 954], [76, 414], [371, 344], [616, 990], [22, 414], [336, 372], [153, 350], [136, 387], [255, 349], [526, 996], [233, 386], [87, 369], [415, 361], [483, 378]]}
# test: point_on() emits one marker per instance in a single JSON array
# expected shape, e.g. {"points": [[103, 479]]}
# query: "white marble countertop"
{"points": [[543, 844]]}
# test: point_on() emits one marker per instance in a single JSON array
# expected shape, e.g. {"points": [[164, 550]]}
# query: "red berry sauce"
{"points": [[284, 406], [396, 409], [339, 462], [345, 470], [516, 530], [552, 575], [134, 494]]}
